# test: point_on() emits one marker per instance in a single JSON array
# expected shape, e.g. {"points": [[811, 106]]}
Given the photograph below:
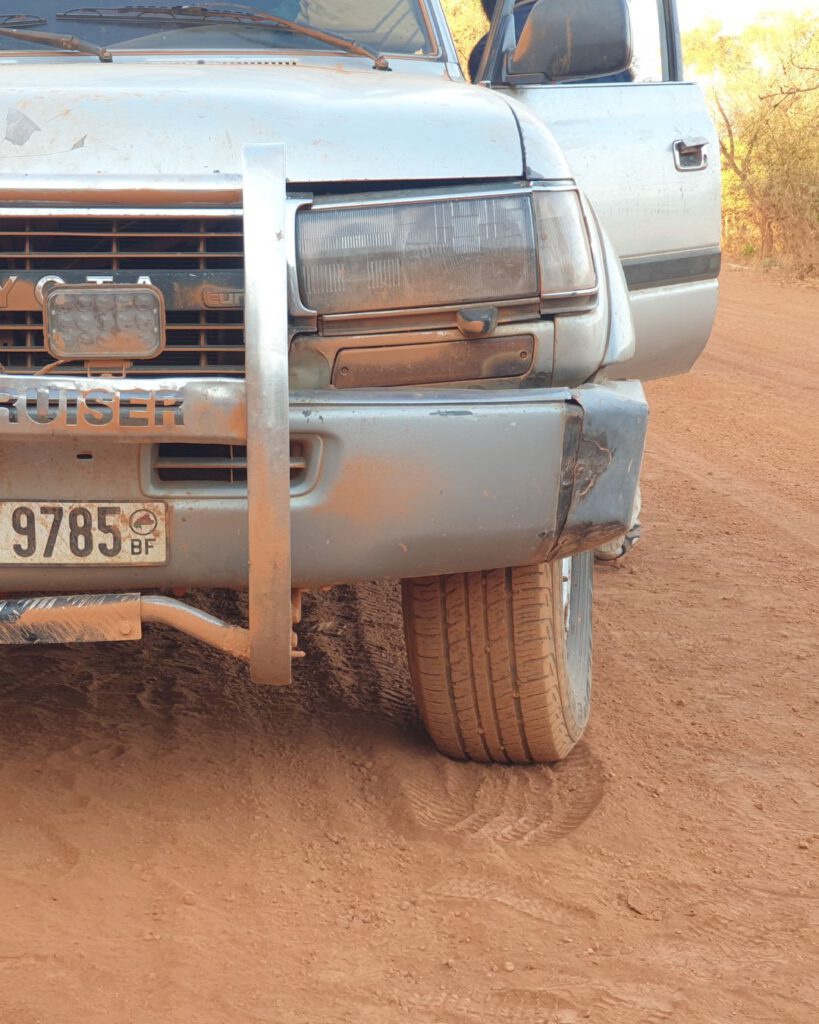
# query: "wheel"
{"points": [[501, 660]]}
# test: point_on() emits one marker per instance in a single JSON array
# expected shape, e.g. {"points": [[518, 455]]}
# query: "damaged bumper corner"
{"points": [[603, 475]]}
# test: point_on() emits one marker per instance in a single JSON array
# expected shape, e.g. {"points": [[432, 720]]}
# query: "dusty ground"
{"points": [[179, 847]]}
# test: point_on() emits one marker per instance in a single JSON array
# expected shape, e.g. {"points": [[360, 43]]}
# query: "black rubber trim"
{"points": [[672, 268], [673, 42]]}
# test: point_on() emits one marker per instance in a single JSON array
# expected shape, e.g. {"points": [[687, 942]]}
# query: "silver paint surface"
{"points": [[409, 483], [339, 123]]}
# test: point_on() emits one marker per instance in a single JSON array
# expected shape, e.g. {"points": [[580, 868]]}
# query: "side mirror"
{"points": [[565, 40]]}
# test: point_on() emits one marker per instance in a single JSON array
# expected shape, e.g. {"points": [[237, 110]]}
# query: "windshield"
{"points": [[385, 26]]}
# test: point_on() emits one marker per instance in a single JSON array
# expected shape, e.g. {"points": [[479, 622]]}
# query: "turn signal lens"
{"points": [[566, 264]]}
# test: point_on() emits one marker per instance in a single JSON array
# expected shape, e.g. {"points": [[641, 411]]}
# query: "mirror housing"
{"points": [[571, 40]]}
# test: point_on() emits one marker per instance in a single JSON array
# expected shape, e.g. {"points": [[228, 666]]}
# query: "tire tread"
{"points": [[486, 663]]}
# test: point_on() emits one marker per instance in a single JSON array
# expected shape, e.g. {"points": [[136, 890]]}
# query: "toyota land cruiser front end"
{"points": [[280, 311]]}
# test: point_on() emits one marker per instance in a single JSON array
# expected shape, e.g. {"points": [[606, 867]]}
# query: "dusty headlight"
{"points": [[417, 254], [444, 252], [564, 252]]}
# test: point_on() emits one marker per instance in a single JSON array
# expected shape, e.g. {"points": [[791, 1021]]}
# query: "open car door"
{"points": [[642, 146]]}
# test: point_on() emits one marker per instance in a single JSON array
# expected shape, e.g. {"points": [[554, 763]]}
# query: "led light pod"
{"points": [[104, 321]]}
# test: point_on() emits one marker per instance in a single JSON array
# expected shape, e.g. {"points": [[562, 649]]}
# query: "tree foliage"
{"points": [[467, 22], [763, 86]]}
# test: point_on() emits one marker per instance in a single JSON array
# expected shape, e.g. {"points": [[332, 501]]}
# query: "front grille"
{"points": [[203, 343], [120, 243], [225, 464], [200, 342]]}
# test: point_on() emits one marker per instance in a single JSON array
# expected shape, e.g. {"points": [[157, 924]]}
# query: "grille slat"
{"points": [[134, 257], [208, 342], [211, 348], [15, 233], [194, 240], [166, 466]]}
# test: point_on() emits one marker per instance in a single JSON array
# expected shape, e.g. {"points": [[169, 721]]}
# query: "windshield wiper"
{"points": [[239, 14], [20, 20], [57, 41]]}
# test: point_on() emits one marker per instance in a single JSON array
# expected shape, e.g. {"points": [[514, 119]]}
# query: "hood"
{"points": [[338, 124]]}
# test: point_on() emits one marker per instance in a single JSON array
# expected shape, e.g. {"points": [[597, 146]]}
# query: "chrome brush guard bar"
{"points": [[254, 412]]}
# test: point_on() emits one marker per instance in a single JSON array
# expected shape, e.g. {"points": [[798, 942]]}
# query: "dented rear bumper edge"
{"points": [[401, 483]]}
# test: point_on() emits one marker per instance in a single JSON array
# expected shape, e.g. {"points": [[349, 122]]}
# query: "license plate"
{"points": [[83, 533]]}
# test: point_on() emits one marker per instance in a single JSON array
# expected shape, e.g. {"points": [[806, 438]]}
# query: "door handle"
{"points": [[691, 154]]}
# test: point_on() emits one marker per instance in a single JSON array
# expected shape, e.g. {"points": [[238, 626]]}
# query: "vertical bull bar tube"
{"points": [[268, 430]]}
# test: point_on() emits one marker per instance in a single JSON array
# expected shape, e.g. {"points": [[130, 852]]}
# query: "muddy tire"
{"points": [[501, 660]]}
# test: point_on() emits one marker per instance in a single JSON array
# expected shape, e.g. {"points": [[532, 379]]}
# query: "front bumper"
{"points": [[398, 483]]}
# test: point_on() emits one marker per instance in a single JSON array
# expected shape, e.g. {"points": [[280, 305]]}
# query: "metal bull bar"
{"points": [[268, 422], [257, 411]]}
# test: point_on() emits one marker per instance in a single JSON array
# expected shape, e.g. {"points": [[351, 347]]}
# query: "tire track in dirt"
{"points": [[798, 523], [355, 635], [519, 806]]}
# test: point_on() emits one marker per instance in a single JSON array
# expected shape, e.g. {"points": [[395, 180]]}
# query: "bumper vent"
{"points": [[216, 467]]}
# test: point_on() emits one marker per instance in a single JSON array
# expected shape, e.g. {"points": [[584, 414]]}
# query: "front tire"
{"points": [[501, 660]]}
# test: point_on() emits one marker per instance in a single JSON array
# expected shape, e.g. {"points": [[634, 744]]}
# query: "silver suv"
{"points": [[285, 303]]}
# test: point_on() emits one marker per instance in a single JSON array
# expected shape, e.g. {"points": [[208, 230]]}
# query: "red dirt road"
{"points": [[178, 847]]}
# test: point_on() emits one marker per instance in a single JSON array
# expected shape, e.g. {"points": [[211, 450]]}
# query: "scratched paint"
{"points": [[19, 127]]}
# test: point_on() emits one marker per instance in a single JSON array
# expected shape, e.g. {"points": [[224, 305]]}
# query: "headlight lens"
{"points": [[412, 255], [451, 252]]}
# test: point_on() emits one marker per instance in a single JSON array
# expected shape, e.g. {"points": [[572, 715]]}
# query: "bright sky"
{"points": [[735, 14]]}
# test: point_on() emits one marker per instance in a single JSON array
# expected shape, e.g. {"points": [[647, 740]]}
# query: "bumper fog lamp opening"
{"points": [[104, 321]]}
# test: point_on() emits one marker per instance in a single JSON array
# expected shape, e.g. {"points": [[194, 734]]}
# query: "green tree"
{"points": [[763, 85]]}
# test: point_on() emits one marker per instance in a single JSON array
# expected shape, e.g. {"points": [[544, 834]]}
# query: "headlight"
{"points": [[442, 252], [412, 255]]}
